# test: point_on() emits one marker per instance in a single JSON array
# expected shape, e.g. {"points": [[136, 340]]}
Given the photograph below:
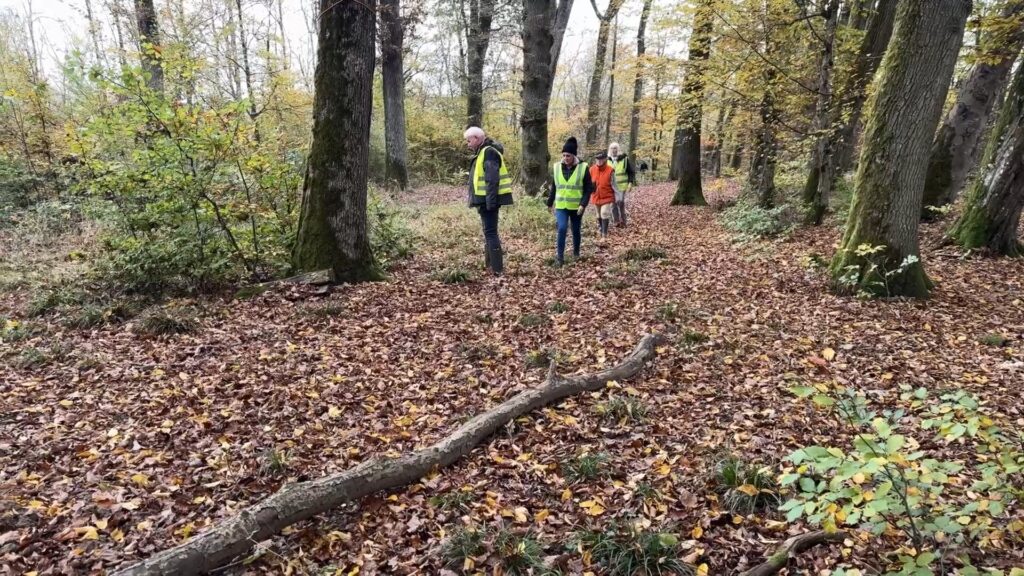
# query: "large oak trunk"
{"points": [[543, 28], [149, 44], [902, 116], [478, 38], [393, 79], [818, 187], [332, 222], [991, 215], [954, 151], [691, 108]]}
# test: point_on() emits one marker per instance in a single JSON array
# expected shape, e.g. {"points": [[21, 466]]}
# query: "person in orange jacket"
{"points": [[605, 191]]}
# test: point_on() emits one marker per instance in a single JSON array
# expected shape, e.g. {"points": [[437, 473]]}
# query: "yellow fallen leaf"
{"points": [[140, 479], [828, 354], [468, 564], [748, 489], [522, 514], [90, 533], [697, 532], [858, 478], [702, 570], [541, 515], [964, 520], [592, 507], [566, 495], [101, 524], [66, 403], [117, 535]]}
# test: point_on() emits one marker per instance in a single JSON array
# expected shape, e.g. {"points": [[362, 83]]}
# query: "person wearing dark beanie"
{"points": [[568, 194]]}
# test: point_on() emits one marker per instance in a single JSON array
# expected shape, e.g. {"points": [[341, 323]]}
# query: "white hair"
{"points": [[613, 145], [474, 131]]}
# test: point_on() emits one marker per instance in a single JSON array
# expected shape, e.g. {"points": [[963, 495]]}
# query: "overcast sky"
{"points": [[58, 22]]}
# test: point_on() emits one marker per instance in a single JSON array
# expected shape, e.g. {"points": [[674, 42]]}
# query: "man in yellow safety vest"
{"points": [[625, 178], [568, 195], [490, 188]]}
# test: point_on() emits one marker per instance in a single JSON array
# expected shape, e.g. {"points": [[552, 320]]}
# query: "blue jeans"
{"points": [[563, 218]]}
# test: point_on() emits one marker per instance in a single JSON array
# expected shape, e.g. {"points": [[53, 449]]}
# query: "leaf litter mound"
{"points": [[125, 445]]}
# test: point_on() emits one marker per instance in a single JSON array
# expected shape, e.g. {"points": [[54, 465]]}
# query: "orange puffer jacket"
{"points": [[603, 176]]}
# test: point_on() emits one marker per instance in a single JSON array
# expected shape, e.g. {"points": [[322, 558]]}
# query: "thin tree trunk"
{"points": [[689, 191], [611, 82], [818, 188], [332, 231], [638, 82], [478, 38], [954, 151], [234, 70], [676, 157], [715, 156], [393, 76], [597, 75], [149, 44], [94, 33], [761, 179], [543, 29], [991, 216], [854, 91], [115, 14], [243, 43], [905, 110]]}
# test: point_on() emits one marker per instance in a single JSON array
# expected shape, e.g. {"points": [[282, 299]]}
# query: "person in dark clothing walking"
{"points": [[490, 188], [569, 192]]}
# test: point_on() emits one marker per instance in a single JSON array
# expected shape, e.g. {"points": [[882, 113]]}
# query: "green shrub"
{"points": [[997, 340], [692, 338], [453, 275], [745, 488], [19, 186], [584, 467], [462, 546], [749, 221], [31, 357], [14, 331], [453, 500], [632, 551], [88, 316], [557, 307], [391, 238], [52, 299], [159, 321]]}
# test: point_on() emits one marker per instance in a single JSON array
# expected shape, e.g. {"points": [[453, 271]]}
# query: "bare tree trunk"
{"points": [[905, 110], [393, 77], [954, 151], [478, 38], [854, 92], [715, 156], [638, 82], [332, 231], [676, 157], [543, 29], [94, 33], [247, 70], [611, 82], [691, 109], [594, 97], [149, 44], [991, 216], [234, 70], [116, 14], [818, 189], [761, 178]]}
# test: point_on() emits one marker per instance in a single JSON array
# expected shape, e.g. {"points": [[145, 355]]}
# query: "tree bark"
{"points": [[691, 109], [543, 29], [715, 155], [332, 230], [393, 79], [611, 82], [791, 547], [904, 112], [991, 216], [478, 38], [594, 97], [676, 155], [243, 43], [855, 86], [761, 178], [296, 502], [818, 188], [638, 81], [149, 44], [954, 151]]}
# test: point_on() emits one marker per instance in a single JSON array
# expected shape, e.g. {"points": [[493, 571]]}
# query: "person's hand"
{"points": [[581, 210]]}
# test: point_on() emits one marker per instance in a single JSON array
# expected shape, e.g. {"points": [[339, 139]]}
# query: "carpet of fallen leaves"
{"points": [[131, 444]]}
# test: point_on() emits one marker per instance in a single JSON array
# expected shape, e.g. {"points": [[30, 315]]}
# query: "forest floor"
{"points": [[121, 445]]}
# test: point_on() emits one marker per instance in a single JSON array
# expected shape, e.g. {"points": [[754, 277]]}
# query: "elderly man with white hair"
{"points": [[625, 178], [490, 188]]}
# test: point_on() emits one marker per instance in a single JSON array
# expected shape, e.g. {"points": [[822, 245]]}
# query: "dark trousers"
{"points": [[565, 218], [492, 243]]}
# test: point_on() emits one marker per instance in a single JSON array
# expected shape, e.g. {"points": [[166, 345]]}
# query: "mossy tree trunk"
{"points": [[761, 178], [818, 187], [149, 44], [955, 149], [332, 230], [991, 215], [691, 108], [902, 116], [543, 29], [393, 80], [854, 89]]}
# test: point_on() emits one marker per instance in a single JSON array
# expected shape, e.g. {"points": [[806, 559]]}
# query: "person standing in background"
{"points": [[625, 178], [490, 188]]}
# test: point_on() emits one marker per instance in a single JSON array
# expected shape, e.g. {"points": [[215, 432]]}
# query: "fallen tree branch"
{"points": [[790, 548], [297, 502]]}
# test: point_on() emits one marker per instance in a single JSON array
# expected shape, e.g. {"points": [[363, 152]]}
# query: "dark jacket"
{"points": [[630, 169], [588, 185], [492, 167]]}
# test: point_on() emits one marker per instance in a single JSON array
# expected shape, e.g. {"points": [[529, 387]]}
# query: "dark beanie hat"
{"points": [[570, 146]]}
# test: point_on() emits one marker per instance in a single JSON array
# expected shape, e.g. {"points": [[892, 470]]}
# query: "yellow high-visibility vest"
{"points": [[568, 191], [480, 184], [621, 178]]}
